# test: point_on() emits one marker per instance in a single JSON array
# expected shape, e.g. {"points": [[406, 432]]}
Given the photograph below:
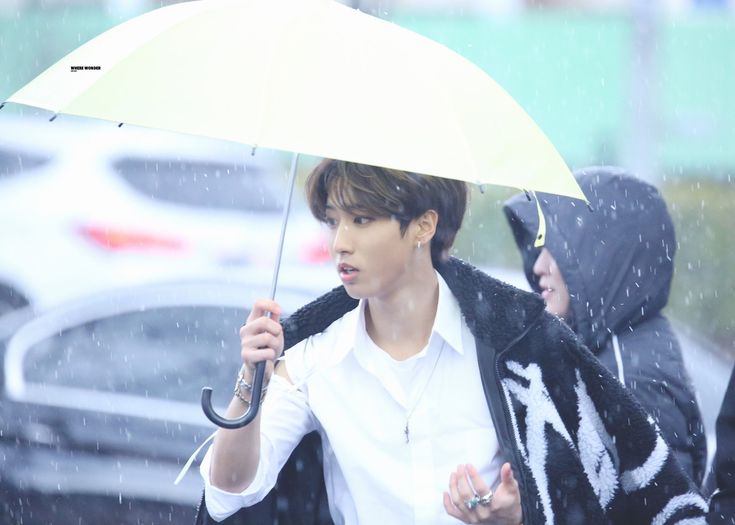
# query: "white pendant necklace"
{"points": [[406, 431]]}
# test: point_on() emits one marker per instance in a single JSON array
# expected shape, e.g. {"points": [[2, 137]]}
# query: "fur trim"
{"points": [[642, 476], [678, 503], [596, 448]]}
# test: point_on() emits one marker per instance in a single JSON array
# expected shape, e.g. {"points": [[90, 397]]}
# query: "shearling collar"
{"points": [[495, 312]]}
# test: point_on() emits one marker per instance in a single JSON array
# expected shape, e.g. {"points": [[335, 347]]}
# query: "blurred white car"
{"points": [[85, 207], [102, 438]]}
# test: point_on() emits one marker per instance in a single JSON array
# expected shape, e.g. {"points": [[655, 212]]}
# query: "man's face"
{"points": [[373, 259], [553, 288]]}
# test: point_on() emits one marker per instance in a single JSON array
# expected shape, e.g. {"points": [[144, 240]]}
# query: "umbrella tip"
{"points": [[53, 118], [2, 105], [590, 208], [482, 188], [528, 195], [252, 151], [120, 125]]}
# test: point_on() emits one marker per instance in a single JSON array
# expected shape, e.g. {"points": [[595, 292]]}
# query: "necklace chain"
{"points": [[406, 431]]}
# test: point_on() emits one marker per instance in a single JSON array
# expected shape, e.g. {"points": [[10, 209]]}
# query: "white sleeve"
{"points": [[285, 419]]}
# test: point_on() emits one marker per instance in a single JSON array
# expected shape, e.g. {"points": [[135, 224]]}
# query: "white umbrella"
{"points": [[307, 76]]}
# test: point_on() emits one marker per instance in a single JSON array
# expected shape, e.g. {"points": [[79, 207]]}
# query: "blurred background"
{"points": [[93, 219]]}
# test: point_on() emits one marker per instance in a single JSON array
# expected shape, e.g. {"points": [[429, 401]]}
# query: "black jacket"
{"points": [[722, 504], [582, 449], [617, 262]]}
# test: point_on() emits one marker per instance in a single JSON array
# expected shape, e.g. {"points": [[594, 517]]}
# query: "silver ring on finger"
{"points": [[486, 499], [472, 503]]}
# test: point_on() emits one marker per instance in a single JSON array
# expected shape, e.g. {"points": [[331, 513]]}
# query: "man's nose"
{"points": [[341, 241], [541, 266]]}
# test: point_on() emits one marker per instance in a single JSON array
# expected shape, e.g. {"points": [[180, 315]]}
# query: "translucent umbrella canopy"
{"points": [[306, 76], [309, 76]]}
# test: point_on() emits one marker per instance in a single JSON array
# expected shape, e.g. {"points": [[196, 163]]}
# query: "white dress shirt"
{"points": [[359, 399]]}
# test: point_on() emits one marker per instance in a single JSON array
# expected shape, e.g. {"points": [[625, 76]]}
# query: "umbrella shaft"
{"points": [[284, 222]]}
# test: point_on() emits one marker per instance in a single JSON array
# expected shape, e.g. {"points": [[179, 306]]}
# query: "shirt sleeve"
{"points": [[285, 419]]}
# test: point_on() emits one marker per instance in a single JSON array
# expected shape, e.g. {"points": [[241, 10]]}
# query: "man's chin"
{"points": [[552, 309], [354, 292]]}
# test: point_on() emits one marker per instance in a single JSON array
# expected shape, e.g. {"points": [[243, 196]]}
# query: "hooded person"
{"points": [[607, 273]]}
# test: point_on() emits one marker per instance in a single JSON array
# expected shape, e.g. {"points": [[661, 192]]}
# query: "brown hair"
{"points": [[385, 192]]}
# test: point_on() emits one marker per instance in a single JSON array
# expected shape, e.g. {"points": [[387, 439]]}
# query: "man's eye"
{"points": [[362, 220], [331, 223]]}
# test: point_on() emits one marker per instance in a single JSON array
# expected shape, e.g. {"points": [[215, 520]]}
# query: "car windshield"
{"points": [[165, 353], [213, 185]]}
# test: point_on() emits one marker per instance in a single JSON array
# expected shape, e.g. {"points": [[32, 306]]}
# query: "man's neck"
{"points": [[401, 324]]}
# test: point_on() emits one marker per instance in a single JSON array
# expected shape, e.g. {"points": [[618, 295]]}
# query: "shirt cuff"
{"points": [[222, 504]]}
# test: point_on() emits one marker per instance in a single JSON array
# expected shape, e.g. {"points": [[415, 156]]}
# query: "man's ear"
{"points": [[426, 226]]}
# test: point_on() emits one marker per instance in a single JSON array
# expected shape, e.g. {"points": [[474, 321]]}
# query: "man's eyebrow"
{"points": [[349, 209]]}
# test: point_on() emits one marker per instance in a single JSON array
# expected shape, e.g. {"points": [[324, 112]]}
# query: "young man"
{"points": [[608, 275], [439, 393]]}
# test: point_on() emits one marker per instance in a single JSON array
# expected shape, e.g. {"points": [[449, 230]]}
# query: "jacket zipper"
{"points": [[525, 505]]}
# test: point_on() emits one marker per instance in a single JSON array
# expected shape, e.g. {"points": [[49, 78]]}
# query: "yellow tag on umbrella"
{"points": [[541, 234]]}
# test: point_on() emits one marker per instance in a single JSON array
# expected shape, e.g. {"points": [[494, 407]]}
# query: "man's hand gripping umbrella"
{"points": [[270, 324]]}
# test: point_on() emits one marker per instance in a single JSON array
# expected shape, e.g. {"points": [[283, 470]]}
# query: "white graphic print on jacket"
{"points": [[596, 449]]}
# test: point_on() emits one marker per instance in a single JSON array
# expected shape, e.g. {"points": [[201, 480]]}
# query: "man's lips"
{"points": [[346, 270], [546, 290]]}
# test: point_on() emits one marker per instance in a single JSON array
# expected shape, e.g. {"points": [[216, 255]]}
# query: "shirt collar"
{"points": [[448, 320], [447, 323]]}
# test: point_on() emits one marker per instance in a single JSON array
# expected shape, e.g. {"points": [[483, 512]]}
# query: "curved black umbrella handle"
{"points": [[248, 416]]}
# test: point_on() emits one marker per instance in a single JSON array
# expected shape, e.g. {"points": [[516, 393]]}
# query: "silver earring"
{"points": [[418, 245]]}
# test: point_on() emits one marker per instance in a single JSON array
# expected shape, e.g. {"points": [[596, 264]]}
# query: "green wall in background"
{"points": [[697, 90], [33, 40], [565, 71], [571, 72]]}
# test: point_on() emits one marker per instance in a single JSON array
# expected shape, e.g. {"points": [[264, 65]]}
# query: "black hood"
{"points": [[617, 260]]}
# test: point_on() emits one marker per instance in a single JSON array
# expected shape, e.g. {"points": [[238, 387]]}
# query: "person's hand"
{"points": [[261, 338], [504, 506]]}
